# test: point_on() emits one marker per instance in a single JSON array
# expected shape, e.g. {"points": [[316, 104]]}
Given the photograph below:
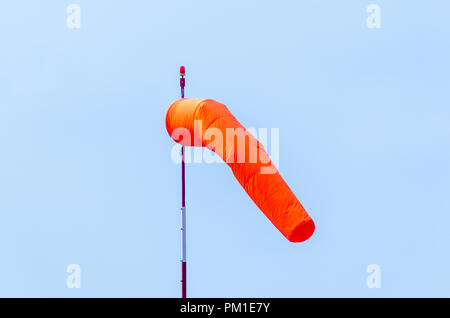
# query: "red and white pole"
{"points": [[183, 203]]}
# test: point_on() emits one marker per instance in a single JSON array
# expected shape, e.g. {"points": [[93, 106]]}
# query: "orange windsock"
{"points": [[208, 123]]}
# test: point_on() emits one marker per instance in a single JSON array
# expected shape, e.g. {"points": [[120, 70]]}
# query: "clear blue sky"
{"points": [[85, 170]]}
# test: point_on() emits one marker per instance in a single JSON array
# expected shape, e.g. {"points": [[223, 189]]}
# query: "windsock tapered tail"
{"points": [[208, 123]]}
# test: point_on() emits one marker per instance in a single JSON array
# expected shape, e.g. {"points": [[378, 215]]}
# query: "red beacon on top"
{"points": [[182, 80]]}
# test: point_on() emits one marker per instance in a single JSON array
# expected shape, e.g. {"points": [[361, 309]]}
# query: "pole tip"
{"points": [[182, 71]]}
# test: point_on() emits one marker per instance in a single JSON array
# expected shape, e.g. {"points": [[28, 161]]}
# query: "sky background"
{"points": [[86, 175]]}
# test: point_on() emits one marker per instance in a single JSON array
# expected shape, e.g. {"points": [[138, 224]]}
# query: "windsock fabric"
{"points": [[208, 123]]}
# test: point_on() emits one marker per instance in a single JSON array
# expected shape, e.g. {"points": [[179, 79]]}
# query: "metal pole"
{"points": [[183, 203]]}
